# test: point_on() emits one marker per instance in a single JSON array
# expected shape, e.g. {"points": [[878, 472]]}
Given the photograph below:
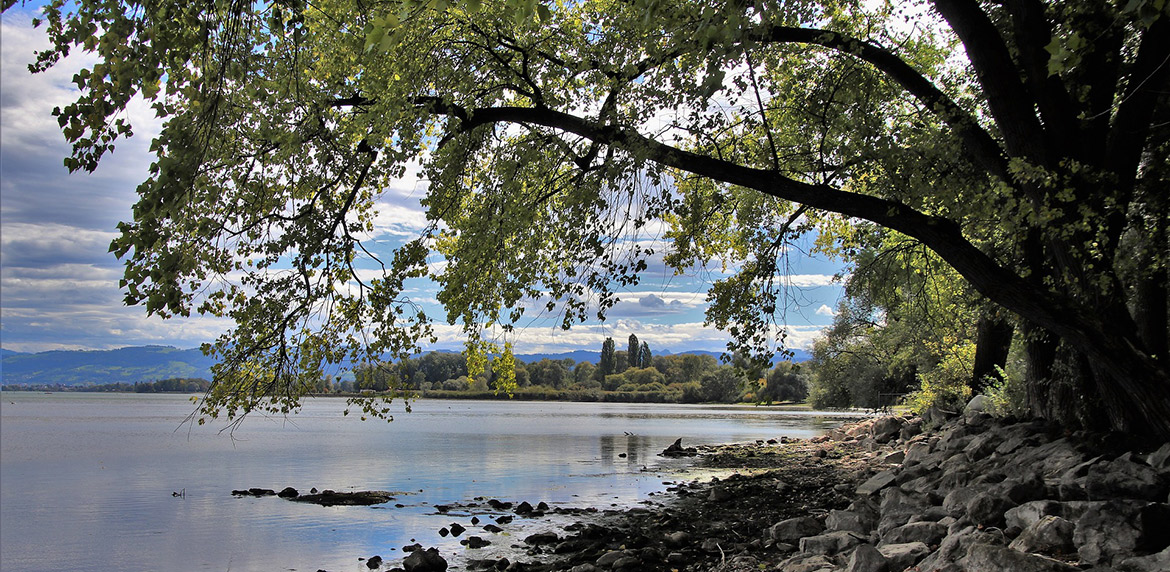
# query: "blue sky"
{"points": [[59, 286]]}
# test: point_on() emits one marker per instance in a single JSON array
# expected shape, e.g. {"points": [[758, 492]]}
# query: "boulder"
{"points": [[982, 445], [287, 493], [955, 546], [912, 428], [1108, 530], [898, 506], [374, 562], [427, 560], [830, 542], [1159, 562], [678, 539], [1160, 459], [794, 529], [1123, 478], [978, 404], [955, 503], [606, 560], [921, 532], [1024, 489], [935, 417], [866, 558], [1073, 485], [351, 498], [903, 556], [886, 428], [677, 450], [1029, 513], [849, 520], [877, 482], [542, 538], [916, 452], [987, 509], [807, 563], [1050, 534], [474, 542], [989, 558]]}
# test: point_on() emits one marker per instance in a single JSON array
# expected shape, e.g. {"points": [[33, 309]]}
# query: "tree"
{"points": [[784, 383], [645, 358], [1036, 168], [608, 363], [634, 353]]}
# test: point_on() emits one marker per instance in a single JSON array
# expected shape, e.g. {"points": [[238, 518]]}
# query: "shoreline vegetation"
{"points": [[942, 492]]}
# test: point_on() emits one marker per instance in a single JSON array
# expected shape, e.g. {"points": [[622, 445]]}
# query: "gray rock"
{"points": [[915, 453], [955, 503], [1073, 482], [903, 556], [1050, 459], [1029, 513], [898, 506], [955, 546], [988, 558], [1107, 531], [979, 403], [1159, 562], [427, 560], [924, 532], [934, 417], [606, 560], [678, 539], [910, 429], [987, 509], [1073, 510], [1050, 534], [877, 482], [866, 558], [982, 445], [894, 458], [794, 529], [931, 514], [849, 520], [1160, 459], [830, 542], [627, 563], [886, 428], [1024, 489], [1123, 479], [807, 563]]}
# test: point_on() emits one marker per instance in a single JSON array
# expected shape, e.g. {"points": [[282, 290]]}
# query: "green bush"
{"points": [[946, 385]]}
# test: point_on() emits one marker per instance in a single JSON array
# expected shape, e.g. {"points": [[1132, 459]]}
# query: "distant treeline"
{"points": [[679, 378], [172, 385]]}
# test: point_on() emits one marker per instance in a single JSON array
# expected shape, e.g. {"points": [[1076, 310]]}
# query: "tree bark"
{"points": [[993, 339]]}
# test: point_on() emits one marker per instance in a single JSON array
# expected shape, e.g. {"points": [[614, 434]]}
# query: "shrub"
{"points": [[946, 385]]}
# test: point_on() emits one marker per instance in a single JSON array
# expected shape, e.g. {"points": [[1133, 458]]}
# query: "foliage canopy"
{"points": [[1023, 142]]}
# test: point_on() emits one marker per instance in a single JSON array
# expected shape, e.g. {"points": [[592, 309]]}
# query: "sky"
{"points": [[59, 284]]}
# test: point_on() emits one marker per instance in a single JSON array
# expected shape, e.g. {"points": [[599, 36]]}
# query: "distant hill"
{"points": [[152, 363], [125, 365]]}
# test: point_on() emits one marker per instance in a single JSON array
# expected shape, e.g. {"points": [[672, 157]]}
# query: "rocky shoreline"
{"points": [[949, 493]]}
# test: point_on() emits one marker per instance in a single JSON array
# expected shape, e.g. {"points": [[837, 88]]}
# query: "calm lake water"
{"points": [[86, 480]]}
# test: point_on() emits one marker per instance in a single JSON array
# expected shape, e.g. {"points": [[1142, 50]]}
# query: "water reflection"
{"points": [[86, 480]]}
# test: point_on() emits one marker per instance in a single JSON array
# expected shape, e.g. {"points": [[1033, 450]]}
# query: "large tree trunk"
{"points": [[993, 339]]}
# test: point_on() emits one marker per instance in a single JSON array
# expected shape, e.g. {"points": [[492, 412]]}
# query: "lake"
{"points": [[87, 480]]}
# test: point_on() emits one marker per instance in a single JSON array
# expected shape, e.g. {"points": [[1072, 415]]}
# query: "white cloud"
{"points": [[825, 310]]}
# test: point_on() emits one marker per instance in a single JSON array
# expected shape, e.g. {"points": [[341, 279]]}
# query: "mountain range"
{"points": [[152, 363]]}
